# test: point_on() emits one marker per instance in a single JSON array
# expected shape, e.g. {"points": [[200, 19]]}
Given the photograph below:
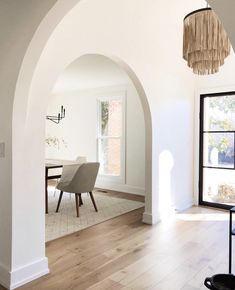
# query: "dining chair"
{"points": [[78, 179]]}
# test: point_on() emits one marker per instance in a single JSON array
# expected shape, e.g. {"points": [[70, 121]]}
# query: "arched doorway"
{"points": [[30, 158], [34, 119], [28, 148], [83, 88], [34, 85]]}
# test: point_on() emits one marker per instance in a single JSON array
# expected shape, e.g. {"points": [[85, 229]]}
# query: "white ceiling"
{"points": [[90, 71]]}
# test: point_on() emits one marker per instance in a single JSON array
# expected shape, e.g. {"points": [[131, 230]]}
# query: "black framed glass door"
{"points": [[217, 143]]}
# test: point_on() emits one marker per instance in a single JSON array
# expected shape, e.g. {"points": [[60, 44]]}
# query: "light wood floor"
{"points": [[118, 194], [123, 253]]}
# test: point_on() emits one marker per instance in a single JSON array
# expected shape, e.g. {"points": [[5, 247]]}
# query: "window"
{"points": [[111, 137], [217, 139]]}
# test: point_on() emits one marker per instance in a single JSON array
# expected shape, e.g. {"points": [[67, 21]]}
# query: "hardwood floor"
{"points": [[118, 194], [123, 253]]}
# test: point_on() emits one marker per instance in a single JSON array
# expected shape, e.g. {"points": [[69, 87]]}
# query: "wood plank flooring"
{"points": [[118, 194], [123, 253]]}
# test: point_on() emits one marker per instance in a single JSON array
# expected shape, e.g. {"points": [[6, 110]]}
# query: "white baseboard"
{"points": [[5, 277], [122, 188], [20, 276], [184, 205], [150, 219], [196, 200]]}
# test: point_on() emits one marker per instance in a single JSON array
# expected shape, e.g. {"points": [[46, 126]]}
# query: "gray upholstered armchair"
{"points": [[77, 179]]}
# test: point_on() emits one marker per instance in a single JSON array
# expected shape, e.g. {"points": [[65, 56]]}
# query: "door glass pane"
{"points": [[219, 186], [110, 153], [219, 113], [111, 118], [218, 150]]}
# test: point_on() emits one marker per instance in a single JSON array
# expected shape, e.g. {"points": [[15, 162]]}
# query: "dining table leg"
{"points": [[46, 190]]}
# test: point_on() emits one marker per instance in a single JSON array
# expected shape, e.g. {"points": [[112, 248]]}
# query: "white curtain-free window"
{"points": [[111, 136]]}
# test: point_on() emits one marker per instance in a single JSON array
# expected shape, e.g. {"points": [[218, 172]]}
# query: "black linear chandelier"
{"points": [[59, 117]]}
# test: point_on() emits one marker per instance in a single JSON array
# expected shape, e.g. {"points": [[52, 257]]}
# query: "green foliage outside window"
{"points": [[226, 105], [222, 145], [104, 117]]}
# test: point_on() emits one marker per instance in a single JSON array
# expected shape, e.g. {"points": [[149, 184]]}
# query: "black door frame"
{"points": [[201, 141]]}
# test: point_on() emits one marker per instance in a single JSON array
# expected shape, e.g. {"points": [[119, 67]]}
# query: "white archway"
{"points": [[29, 111]]}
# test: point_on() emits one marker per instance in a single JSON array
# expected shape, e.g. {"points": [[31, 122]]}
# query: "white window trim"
{"points": [[113, 95]]}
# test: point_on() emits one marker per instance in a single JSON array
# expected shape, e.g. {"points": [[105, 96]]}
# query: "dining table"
{"points": [[53, 164]]}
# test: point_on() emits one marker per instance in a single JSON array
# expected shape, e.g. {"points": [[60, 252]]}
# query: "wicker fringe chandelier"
{"points": [[205, 42]]}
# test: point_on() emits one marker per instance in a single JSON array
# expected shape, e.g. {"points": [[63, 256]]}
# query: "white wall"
{"points": [[79, 130], [225, 76], [88, 72]]}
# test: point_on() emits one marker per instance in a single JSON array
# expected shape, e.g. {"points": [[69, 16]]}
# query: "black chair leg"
{"points": [[59, 201], [80, 199], [77, 204], [93, 200]]}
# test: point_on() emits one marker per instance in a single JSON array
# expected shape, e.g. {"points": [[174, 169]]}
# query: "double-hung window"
{"points": [[111, 137]]}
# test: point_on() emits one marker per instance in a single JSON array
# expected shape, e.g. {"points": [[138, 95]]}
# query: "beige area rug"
{"points": [[65, 222]]}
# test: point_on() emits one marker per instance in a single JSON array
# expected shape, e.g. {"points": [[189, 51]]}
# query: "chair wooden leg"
{"points": [[77, 204], [93, 200], [80, 199], [59, 201]]}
